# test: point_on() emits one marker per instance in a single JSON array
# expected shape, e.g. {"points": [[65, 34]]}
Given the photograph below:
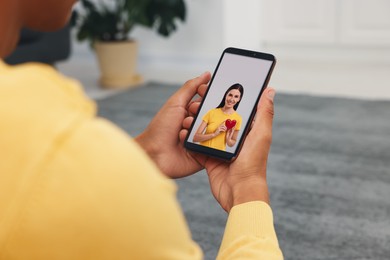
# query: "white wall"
{"points": [[330, 47], [211, 26], [313, 41], [192, 49], [316, 54]]}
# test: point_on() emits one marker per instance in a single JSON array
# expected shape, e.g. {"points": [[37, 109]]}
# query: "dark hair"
{"points": [[237, 86]]}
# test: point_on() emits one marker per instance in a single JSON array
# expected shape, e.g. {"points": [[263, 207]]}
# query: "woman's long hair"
{"points": [[237, 86]]}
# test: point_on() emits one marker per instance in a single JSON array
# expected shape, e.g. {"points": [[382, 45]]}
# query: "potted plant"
{"points": [[107, 24]]}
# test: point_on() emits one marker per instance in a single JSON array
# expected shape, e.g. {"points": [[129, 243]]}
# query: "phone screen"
{"points": [[230, 103]]}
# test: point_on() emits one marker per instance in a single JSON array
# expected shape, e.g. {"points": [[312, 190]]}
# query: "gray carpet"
{"points": [[329, 174]]}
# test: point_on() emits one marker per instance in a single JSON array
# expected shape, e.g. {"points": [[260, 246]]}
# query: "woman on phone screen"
{"points": [[220, 125]]}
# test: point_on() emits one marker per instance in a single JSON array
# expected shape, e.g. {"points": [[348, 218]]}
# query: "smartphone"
{"points": [[229, 105]]}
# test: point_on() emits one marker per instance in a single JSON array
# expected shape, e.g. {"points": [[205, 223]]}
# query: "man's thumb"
{"points": [[265, 112]]}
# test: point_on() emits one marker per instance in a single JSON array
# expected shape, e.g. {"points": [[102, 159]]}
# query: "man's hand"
{"points": [[233, 183], [163, 138], [221, 129], [244, 179]]}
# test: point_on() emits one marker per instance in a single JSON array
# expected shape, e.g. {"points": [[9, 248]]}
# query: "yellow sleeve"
{"points": [[250, 233], [206, 117], [100, 197]]}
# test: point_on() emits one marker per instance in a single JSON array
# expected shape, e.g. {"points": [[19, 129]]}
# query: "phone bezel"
{"points": [[228, 156]]}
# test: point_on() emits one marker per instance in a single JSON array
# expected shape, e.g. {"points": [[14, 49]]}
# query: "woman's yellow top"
{"points": [[214, 118], [74, 186]]}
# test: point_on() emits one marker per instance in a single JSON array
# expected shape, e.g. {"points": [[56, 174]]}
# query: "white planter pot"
{"points": [[117, 63]]}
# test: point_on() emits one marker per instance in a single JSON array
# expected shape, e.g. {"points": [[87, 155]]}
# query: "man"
{"points": [[73, 186]]}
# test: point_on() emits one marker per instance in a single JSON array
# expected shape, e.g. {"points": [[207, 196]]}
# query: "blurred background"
{"points": [[329, 165], [323, 47]]}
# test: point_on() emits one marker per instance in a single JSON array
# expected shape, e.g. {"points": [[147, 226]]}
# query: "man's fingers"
{"points": [[182, 135], [202, 90], [190, 88], [187, 122], [264, 116], [258, 142], [193, 108]]}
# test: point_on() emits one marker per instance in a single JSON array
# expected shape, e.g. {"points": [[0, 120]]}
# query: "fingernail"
{"points": [[271, 94], [203, 74]]}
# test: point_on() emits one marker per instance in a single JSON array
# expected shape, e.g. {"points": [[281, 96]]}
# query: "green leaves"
{"points": [[97, 21], [88, 5], [162, 14]]}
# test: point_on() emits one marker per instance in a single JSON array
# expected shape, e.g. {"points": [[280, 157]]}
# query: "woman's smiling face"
{"points": [[232, 97]]}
